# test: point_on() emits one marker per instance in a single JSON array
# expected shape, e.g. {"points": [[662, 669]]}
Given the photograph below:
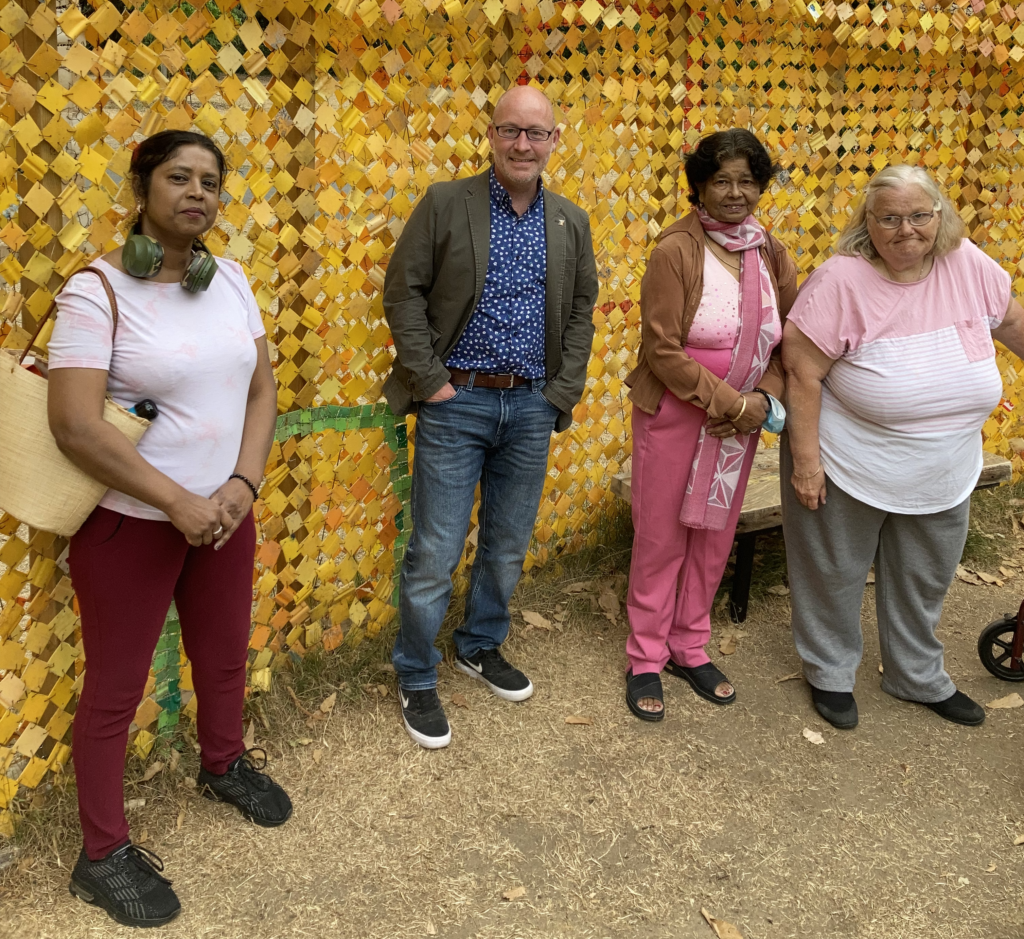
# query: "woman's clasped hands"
{"points": [[205, 521], [749, 419]]}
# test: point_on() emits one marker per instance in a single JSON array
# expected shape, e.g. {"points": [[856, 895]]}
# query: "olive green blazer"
{"points": [[436, 276]]}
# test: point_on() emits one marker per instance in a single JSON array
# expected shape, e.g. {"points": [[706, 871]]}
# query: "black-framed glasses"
{"points": [[511, 132], [918, 219]]}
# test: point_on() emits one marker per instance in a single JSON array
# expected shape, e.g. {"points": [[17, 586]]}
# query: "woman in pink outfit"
{"points": [[713, 300]]}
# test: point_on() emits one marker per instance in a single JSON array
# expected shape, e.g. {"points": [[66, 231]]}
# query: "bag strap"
{"points": [[53, 305]]}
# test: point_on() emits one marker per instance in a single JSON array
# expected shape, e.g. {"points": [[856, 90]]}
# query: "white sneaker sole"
{"points": [[428, 743], [502, 693]]}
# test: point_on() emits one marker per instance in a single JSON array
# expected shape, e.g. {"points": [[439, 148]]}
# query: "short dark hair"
{"points": [[158, 149], [718, 148]]}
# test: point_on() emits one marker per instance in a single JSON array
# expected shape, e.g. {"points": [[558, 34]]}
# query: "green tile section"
{"points": [[167, 671], [337, 417]]}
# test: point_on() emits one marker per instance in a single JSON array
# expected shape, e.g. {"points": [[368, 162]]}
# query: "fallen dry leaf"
{"points": [[968, 576], [1013, 700], [609, 602], [318, 755], [723, 929], [1007, 573], [575, 719], [152, 770], [144, 837], [536, 620], [1019, 840], [728, 645], [870, 578], [134, 804], [579, 587], [792, 676], [327, 705], [515, 893], [249, 740], [300, 742], [881, 670], [26, 864], [780, 590], [431, 928], [383, 690], [813, 736], [990, 869], [460, 700], [180, 821], [172, 763], [990, 579]]}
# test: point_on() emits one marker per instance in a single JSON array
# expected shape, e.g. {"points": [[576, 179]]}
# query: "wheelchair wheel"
{"points": [[995, 648]]}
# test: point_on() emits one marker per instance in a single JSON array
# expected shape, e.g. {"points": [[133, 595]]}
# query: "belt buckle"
{"points": [[511, 381]]}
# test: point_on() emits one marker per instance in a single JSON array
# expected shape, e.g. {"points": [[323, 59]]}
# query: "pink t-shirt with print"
{"points": [[914, 378], [192, 354]]}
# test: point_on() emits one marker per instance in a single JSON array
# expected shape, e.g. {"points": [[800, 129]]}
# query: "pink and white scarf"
{"points": [[715, 473]]}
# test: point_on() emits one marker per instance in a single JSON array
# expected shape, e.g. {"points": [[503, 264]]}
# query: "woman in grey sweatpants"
{"points": [[891, 374]]}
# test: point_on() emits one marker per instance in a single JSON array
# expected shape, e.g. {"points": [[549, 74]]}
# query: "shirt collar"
{"points": [[500, 194]]}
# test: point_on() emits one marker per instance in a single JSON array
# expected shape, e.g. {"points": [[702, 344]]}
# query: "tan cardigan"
{"points": [[669, 296]]}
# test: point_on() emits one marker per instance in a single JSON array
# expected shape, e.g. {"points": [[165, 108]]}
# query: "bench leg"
{"points": [[740, 595]]}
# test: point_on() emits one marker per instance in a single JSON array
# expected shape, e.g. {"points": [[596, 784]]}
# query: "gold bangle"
{"points": [[743, 407], [809, 475]]}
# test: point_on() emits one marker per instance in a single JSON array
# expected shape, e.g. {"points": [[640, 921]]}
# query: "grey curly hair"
{"points": [[855, 240]]}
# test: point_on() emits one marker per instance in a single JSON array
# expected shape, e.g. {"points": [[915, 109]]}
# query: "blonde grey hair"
{"points": [[855, 240]]}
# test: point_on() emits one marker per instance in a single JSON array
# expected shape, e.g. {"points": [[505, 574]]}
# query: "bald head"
{"points": [[518, 159], [524, 98]]}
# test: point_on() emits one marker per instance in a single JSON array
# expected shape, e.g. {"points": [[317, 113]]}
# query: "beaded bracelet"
{"points": [[255, 493]]}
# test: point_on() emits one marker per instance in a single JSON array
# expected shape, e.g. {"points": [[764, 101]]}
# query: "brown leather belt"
{"points": [[482, 380]]}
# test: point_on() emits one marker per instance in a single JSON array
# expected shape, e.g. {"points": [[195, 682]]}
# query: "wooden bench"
{"points": [[762, 509]]}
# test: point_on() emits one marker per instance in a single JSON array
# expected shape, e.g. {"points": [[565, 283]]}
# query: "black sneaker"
{"points": [[837, 707], [127, 884], [959, 709], [424, 718], [254, 793], [490, 667]]}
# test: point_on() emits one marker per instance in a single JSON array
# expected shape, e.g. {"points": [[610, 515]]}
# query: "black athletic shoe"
{"points": [[254, 793], [837, 707], [127, 884], [424, 718], [959, 709], [490, 667]]}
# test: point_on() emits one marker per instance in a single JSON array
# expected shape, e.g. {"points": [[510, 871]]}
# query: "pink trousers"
{"points": [[675, 570]]}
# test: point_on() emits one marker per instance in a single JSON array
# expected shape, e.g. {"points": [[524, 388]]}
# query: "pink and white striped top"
{"points": [[914, 378]]}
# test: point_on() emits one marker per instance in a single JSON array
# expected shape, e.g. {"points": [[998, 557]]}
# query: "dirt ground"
{"points": [[902, 829]]}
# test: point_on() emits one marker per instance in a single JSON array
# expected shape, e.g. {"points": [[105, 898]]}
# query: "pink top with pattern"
{"points": [[716, 323]]}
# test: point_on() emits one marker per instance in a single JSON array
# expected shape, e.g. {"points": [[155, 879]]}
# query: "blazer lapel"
{"points": [[478, 209], [555, 237]]}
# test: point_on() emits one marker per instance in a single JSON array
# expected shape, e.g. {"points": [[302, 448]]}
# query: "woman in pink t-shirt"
{"points": [[176, 522], [891, 373]]}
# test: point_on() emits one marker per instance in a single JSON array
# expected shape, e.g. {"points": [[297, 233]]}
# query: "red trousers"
{"points": [[125, 572]]}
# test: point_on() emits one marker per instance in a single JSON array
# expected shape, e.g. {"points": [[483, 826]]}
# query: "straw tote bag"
{"points": [[38, 484]]}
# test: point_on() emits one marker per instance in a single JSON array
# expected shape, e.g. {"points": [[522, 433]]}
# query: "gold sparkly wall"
{"points": [[334, 118]]}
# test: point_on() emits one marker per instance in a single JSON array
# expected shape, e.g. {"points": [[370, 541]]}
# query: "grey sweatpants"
{"points": [[829, 553]]}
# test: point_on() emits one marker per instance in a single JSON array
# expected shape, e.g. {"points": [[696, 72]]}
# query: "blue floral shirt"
{"points": [[506, 332]]}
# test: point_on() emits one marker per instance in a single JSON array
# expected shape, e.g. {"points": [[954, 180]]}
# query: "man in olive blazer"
{"points": [[489, 295]]}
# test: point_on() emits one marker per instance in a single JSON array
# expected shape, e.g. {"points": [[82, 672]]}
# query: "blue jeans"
{"points": [[499, 437]]}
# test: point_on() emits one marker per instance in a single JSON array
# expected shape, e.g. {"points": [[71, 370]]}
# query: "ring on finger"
{"points": [[219, 531]]}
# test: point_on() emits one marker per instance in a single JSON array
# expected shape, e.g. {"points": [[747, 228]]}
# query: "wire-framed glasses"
{"points": [[511, 132], [918, 219]]}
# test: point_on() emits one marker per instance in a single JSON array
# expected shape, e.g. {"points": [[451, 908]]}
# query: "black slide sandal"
{"points": [[704, 679], [645, 685]]}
